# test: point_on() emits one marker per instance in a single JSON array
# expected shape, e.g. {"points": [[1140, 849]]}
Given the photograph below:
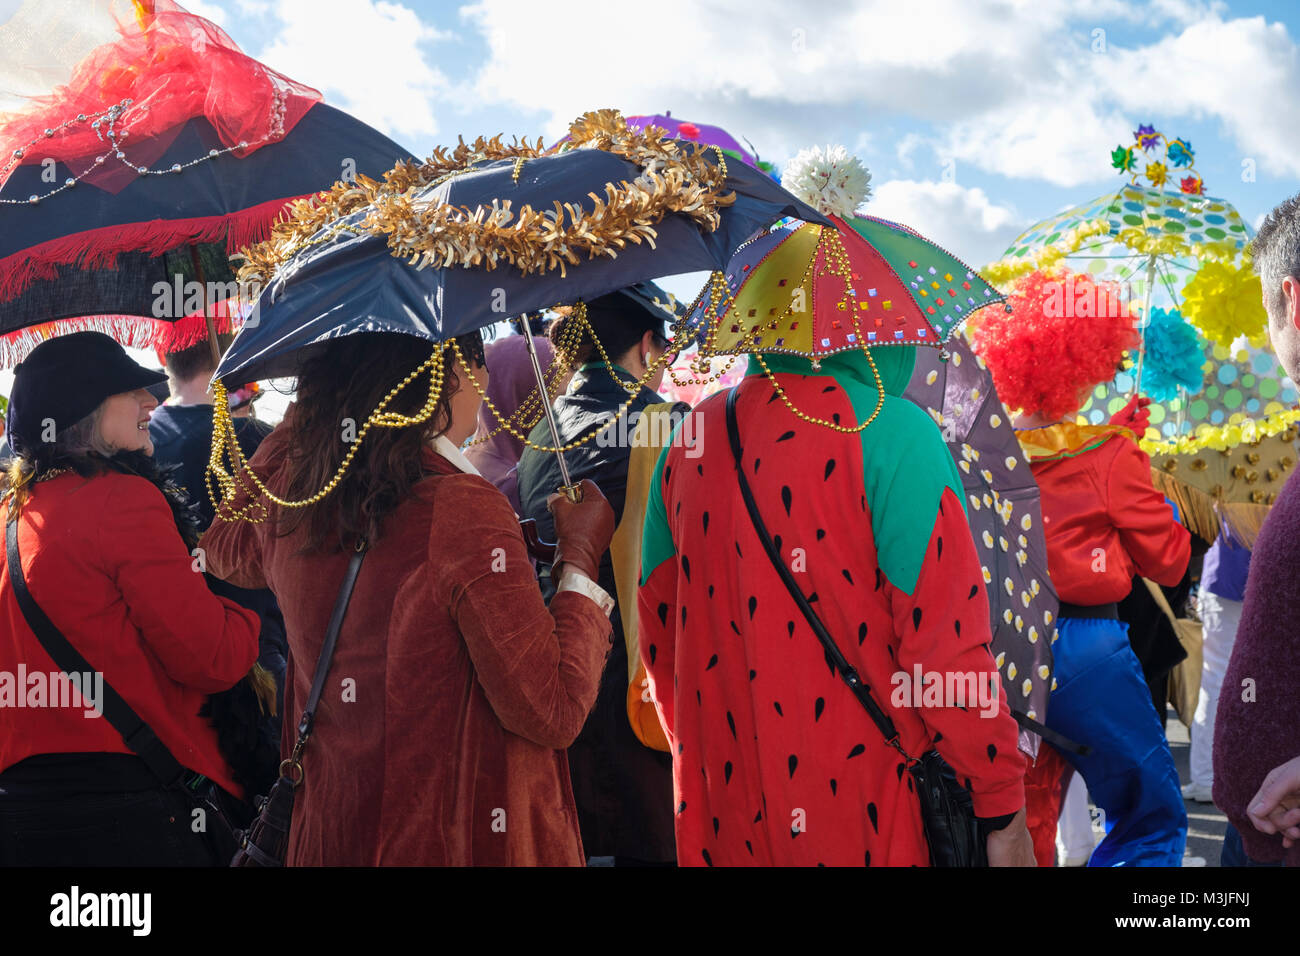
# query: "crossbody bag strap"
{"points": [[138, 735], [846, 671], [327, 653]]}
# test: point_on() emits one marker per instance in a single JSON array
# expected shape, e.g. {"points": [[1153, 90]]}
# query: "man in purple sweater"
{"points": [[1258, 722]]}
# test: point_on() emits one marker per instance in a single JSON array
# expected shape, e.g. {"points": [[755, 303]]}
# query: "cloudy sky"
{"points": [[976, 117]]}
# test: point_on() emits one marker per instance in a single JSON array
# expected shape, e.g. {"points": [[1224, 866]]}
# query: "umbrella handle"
{"points": [[572, 492], [539, 550]]}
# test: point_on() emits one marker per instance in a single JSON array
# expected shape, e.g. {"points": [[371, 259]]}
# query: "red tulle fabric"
{"points": [[173, 66], [1064, 334]]}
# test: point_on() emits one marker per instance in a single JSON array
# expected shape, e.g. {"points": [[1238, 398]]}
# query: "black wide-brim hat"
{"points": [[63, 380]]}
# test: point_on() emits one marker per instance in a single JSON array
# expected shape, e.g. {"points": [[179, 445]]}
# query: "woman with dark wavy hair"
{"points": [[100, 553], [440, 736]]}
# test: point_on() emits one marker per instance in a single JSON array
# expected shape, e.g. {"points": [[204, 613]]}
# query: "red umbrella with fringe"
{"points": [[148, 149]]}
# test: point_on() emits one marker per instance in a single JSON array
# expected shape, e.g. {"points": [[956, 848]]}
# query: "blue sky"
{"points": [[976, 117]]}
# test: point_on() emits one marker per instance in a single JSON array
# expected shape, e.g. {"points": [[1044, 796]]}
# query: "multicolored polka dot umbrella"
{"points": [[1006, 521], [813, 290], [1182, 256]]}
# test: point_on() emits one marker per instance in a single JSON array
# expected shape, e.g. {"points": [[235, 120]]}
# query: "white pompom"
{"points": [[831, 180]]}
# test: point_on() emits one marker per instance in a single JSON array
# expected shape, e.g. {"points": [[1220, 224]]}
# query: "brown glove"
{"points": [[582, 530]]}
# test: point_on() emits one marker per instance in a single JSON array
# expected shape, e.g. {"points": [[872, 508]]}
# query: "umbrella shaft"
{"points": [[569, 490]]}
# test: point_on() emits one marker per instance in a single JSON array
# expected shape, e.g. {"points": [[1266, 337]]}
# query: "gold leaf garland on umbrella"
{"points": [[673, 180]]}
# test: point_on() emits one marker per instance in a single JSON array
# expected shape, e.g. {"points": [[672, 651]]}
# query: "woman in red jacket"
{"points": [[102, 557], [453, 693]]}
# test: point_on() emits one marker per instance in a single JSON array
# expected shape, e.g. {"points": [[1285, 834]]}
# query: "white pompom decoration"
{"points": [[831, 180]]}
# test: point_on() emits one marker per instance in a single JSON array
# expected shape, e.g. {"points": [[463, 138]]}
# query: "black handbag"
{"points": [[947, 810], [266, 840], [201, 793]]}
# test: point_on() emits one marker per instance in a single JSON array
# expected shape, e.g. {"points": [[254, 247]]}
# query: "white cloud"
{"points": [[962, 220], [368, 57], [1244, 72], [1017, 87], [207, 10]]}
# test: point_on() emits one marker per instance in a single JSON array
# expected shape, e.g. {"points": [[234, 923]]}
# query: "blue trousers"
{"points": [[1102, 700]]}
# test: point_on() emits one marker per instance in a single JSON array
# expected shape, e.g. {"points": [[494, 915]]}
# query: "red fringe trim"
{"points": [[99, 248], [130, 330]]}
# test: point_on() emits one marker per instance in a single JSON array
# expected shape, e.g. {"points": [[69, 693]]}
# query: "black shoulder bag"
{"points": [[947, 810], [201, 792], [266, 841]]}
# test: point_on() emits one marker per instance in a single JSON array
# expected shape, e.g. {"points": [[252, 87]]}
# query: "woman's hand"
{"points": [[1012, 845], [582, 529], [1276, 808]]}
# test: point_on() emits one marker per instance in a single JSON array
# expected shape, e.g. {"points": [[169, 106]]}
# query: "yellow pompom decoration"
{"points": [[1223, 301]]}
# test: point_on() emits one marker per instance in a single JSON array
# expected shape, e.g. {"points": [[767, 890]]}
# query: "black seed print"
{"points": [[750, 847], [789, 628], [866, 856], [681, 807], [871, 812], [830, 466], [836, 418], [734, 628], [857, 749], [663, 614], [937, 736], [712, 661], [707, 859], [706, 522], [890, 648], [862, 633], [710, 590], [794, 832], [704, 773], [956, 626], [974, 590], [681, 748], [899, 770], [812, 598], [879, 579], [678, 509], [828, 388], [756, 461], [698, 702], [700, 470], [726, 772], [818, 706], [753, 606], [993, 752], [910, 788], [786, 437], [777, 705], [940, 507], [653, 651], [737, 544], [715, 826], [772, 398], [731, 722], [758, 817], [862, 502], [916, 618], [847, 577], [668, 473], [683, 617], [686, 567], [776, 539], [786, 498], [938, 555], [834, 787], [792, 763], [821, 533], [753, 674]]}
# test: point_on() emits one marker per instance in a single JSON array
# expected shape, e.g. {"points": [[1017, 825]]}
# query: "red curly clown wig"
{"points": [[1063, 335]]}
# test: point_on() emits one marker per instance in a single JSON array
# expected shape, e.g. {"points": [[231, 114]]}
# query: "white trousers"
{"points": [[1220, 616], [1074, 837]]}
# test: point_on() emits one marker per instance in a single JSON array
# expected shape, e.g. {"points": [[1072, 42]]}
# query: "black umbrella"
{"points": [[499, 236]]}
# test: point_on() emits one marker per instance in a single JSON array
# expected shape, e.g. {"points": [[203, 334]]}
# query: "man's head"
{"points": [[1276, 250], [190, 369]]}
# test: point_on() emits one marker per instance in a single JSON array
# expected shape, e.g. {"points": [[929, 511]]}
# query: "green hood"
{"points": [[894, 362]]}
